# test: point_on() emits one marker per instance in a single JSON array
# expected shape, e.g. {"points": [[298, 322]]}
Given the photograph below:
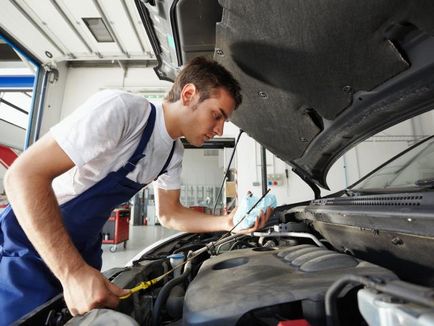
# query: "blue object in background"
{"points": [[17, 82]]}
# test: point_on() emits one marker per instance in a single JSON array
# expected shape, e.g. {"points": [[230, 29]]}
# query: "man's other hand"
{"points": [[261, 220]]}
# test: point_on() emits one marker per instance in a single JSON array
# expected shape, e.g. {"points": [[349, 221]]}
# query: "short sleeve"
{"points": [[97, 126]]}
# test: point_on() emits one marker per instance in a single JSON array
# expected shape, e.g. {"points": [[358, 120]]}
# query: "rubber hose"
{"points": [[164, 294]]}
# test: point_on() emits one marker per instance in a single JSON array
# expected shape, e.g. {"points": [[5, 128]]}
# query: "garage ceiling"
{"points": [[79, 30]]}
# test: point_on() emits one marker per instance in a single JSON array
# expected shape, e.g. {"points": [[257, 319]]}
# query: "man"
{"points": [[63, 188]]}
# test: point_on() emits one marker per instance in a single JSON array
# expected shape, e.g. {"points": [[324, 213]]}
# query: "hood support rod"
{"points": [[264, 169], [310, 183]]}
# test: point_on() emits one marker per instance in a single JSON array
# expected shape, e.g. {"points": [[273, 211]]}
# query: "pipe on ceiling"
{"points": [[39, 28]]}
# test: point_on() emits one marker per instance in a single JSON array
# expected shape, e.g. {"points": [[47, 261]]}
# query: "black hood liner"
{"points": [[317, 76], [302, 63]]}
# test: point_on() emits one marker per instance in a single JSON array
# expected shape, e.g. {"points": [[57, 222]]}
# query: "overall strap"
{"points": [[138, 153], [163, 170]]}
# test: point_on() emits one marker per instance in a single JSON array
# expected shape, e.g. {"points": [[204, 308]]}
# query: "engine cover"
{"points": [[232, 284]]}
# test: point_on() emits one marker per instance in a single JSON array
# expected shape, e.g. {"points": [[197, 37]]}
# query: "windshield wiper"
{"points": [[353, 192], [425, 183]]}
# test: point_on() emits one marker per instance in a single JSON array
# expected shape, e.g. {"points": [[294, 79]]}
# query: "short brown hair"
{"points": [[206, 75]]}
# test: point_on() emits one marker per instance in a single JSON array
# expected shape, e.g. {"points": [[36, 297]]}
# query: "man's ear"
{"points": [[188, 93]]}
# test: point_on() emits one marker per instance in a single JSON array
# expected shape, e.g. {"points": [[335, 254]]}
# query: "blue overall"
{"points": [[25, 280]]}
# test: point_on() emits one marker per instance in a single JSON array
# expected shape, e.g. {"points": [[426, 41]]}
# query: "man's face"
{"points": [[207, 118]]}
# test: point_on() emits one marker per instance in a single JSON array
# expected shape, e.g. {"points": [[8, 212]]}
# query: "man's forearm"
{"points": [[38, 213], [189, 220]]}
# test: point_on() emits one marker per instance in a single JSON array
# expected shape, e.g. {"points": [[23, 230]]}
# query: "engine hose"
{"points": [[192, 246], [164, 294]]}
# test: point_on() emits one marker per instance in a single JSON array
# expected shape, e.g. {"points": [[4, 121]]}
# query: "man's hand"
{"points": [[87, 289], [259, 224], [174, 215]]}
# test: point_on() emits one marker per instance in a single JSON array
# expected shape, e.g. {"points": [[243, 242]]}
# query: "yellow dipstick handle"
{"points": [[145, 285], [141, 286]]}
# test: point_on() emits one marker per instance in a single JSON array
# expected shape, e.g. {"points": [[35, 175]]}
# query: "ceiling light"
{"points": [[98, 29]]}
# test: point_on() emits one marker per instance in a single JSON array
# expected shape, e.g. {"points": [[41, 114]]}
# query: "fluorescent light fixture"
{"points": [[98, 29]]}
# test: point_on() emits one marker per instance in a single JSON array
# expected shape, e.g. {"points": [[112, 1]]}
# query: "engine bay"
{"points": [[287, 272]]}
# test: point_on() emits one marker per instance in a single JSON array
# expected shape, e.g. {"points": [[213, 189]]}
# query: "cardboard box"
{"points": [[231, 189]]}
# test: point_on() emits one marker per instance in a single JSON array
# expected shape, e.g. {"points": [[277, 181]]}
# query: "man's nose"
{"points": [[218, 129]]}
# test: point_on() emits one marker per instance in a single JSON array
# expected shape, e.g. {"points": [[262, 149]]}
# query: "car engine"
{"points": [[283, 275]]}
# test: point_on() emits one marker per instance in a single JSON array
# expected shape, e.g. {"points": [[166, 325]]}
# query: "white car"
{"points": [[318, 77]]}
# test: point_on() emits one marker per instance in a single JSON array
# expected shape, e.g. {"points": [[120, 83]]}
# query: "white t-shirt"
{"points": [[102, 134]]}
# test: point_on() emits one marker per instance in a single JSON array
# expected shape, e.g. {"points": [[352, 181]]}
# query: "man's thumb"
{"points": [[116, 290]]}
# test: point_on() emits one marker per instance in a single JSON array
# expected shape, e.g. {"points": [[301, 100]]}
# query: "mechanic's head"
{"points": [[208, 76]]}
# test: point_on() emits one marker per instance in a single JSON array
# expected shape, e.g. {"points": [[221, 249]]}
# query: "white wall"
{"points": [[198, 169], [75, 85], [248, 164], [53, 103], [356, 163], [292, 188]]}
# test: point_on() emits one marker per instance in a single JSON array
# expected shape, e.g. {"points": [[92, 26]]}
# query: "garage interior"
{"points": [[74, 60], [55, 54]]}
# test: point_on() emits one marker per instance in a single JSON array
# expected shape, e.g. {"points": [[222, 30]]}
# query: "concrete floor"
{"points": [[140, 237]]}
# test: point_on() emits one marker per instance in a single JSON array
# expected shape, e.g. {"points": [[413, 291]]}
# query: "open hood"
{"points": [[317, 77]]}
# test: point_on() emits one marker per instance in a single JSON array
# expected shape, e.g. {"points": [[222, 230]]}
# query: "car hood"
{"points": [[317, 77]]}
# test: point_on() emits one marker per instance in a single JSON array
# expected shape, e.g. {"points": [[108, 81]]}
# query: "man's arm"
{"points": [[28, 186], [174, 215]]}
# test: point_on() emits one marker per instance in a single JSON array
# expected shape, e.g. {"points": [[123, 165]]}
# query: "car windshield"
{"points": [[415, 168]]}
